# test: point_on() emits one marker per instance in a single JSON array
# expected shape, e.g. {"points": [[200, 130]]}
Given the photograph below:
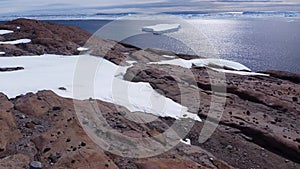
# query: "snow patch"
{"points": [[176, 62], [15, 42], [81, 49], [2, 53], [186, 141], [59, 71], [227, 64], [240, 72], [161, 28], [2, 32], [219, 65], [168, 56]]}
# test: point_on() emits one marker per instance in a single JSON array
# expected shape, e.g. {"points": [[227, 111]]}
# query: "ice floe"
{"points": [[2, 32], [51, 72], [15, 42], [162, 28]]}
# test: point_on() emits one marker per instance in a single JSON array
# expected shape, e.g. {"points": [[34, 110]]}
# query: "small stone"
{"points": [[23, 117], [85, 121], [295, 99], [121, 113], [248, 113], [35, 165], [30, 125], [229, 147], [286, 161], [211, 159], [56, 108], [62, 88]]}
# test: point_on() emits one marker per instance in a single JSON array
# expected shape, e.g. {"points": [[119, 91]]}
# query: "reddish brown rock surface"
{"points": [[49, 132], [259, 127]]}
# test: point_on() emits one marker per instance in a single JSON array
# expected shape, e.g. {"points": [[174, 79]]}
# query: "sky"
{"points": [[11, 7]]}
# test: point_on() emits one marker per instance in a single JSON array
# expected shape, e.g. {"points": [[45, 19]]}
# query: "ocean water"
{"points": [[259, 43]]}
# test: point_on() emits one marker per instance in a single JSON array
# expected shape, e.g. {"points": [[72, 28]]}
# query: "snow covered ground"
{"points": [[161, 28], [3, 32], [219, 65], [15, 42], [51, 72]]}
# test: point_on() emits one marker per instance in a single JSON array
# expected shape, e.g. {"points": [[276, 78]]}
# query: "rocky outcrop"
{"points": [[259, 112], [46, 38], [47, 130]]}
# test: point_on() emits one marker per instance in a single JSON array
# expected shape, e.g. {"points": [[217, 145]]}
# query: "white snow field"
{"points": [[221, 64], [3, 32], [161, 28], [50, 72], [15, 42]]}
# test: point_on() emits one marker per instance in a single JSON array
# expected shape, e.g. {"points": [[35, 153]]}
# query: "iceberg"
{"points": [[161, 28]]}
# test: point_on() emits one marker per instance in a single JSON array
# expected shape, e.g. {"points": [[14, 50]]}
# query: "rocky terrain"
{"points": [[45, 38], [258, 128]]}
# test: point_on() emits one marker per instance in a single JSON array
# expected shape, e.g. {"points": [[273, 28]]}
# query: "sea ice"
{"points": [[162, 28]]}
